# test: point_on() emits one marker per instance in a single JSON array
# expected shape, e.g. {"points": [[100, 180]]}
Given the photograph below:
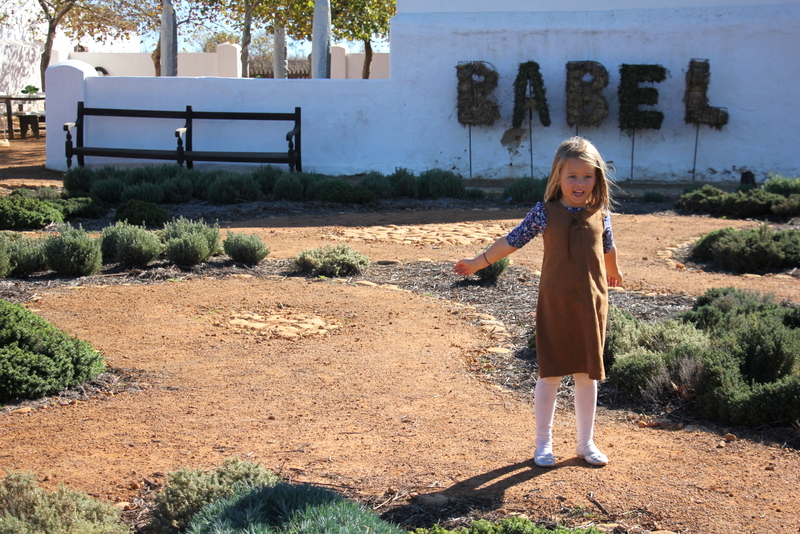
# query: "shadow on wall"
{"points": [[19, 67]]}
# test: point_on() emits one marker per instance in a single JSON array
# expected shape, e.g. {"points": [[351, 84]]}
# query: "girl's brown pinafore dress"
{"points": [[572, 305]]}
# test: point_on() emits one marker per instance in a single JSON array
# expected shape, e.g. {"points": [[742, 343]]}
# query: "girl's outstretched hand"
{"points": [[467, 267]]}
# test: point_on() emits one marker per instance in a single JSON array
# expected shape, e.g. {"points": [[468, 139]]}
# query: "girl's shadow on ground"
{"points": [[481, 493]]}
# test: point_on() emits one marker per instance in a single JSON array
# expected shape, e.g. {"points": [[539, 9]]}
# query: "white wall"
{"points": [[224, 62], [410, 120]]}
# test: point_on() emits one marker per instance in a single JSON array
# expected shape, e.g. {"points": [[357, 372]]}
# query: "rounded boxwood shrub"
{"points": [[289, 508], [404, 183], [336, 190], [141, 213], [266, 176], [110, 237], [232, 187], [25, 508], [178, 189], [526, 190], [108, 190], [25, 254], [137, 246], [782, 185], [641, 371], [182, 227], [73, 252], [37, 359], [440, 183], [78, 181], [146, 192], [492, 272], [191, 249], [188, 491], [290, 187], [379, 184], [245, 248], [332, 261]]}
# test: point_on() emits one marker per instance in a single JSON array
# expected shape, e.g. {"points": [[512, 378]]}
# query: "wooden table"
{"points": [[9, 102]]}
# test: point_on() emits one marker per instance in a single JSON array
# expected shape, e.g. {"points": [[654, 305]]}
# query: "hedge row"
{"points": [[778, 197]]}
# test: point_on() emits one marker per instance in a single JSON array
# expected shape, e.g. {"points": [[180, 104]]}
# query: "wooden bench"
{"points": [[80, 150], [291, 156], [185, 152]]}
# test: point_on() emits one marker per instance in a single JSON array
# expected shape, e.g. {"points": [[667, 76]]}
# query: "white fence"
{"points": [[410, 119]]}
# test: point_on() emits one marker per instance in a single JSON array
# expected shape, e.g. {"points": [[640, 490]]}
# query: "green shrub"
{"points": [[332, 261], [782, 185], [78, 181], [512, 525], [37, 359], [178, 189], [25, 508], [404, 183], [765, 349], [73, 252], [244, 248], [289, 508], [440, 183], [25, 255], [757, 250], [136, 246], [84, 207], [232, 187], [707, 199], [188, 491], [474, 193], [5, 262], [622, 334], [18, 212], [788, 208], [642, 372], [734, 350], [492, 272], [379, 184], [754, 203], [266, 177], [108, 190], [290, 187], [191, 249], [336, 190], [526, 190], [653, 196], [722, 309], [145, 192], [110, 237], [182, 227], [141, 213]]}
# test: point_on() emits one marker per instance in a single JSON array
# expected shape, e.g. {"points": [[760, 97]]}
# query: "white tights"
{"points": [[544, 410]]}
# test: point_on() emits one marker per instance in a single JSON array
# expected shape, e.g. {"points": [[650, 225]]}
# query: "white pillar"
{"points": [[279, 61], [68, 82], [169, 40], [321, 40]]}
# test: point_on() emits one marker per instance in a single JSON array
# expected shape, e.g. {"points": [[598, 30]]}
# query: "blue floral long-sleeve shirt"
{"points": [[535, 223]]}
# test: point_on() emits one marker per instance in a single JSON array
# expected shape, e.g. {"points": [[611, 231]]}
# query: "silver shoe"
{"points": [[592, 456], [547, 459]]}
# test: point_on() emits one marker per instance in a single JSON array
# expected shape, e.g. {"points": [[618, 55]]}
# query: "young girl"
{"points": [[579, 263]]}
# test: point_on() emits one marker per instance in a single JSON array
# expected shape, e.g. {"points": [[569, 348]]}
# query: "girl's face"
{"points": [[577, 183]]}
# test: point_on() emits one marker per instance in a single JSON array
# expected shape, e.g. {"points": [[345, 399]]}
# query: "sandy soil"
{"points": [[374, 391]]}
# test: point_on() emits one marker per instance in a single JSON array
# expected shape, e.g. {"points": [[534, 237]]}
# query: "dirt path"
{"points": [[373, 393]]}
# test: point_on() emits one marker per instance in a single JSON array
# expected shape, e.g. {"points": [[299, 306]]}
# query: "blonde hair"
{"points": [[580, 148]]}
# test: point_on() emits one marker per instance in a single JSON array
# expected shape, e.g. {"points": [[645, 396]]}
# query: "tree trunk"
{"points": [[246, 39], [156, 55], [52, 23], [367, 59], [321, 40]]}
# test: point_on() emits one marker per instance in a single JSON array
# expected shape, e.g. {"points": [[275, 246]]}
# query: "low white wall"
{"points": [[410, 120], [224, 62]]}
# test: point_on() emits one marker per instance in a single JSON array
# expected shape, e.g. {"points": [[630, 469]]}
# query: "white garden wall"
{"points": [[410, 120]]}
